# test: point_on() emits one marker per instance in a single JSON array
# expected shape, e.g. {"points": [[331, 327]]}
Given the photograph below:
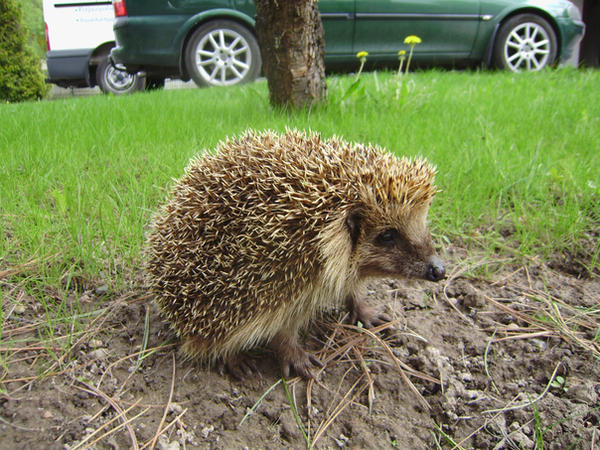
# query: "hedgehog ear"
{"points": [[353, 222]]}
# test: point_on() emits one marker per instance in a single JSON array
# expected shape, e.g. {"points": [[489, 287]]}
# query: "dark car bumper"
{"points": [[148, 47], [69, 67], [573, 32]]}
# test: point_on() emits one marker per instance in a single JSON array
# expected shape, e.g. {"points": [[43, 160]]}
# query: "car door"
{"points": [[337, 17], [446, 27]]}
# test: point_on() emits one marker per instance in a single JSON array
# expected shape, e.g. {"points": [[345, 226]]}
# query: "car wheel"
{"points": [[525, 42], [222, 53], [110, 79]]}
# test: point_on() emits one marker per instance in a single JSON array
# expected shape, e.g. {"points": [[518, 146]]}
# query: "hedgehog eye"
{"points": [[386, 238]]}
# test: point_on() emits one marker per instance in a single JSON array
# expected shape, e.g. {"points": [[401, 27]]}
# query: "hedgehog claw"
{"points": [[294, 356], [369, 316], [238, 367], [302, 365]]}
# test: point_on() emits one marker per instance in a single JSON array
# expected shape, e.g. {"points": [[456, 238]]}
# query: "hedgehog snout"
{"points": [[435, 270]]}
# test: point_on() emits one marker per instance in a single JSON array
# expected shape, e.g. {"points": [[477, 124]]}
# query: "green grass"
{"points": [[517, 157]]}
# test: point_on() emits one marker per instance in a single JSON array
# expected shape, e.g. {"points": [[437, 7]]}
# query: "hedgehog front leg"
{"points": [[369, 316], [292, 355]]}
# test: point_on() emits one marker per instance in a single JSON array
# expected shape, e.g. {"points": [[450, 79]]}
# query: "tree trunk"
{"points": [[292, 45], [590, 45]]}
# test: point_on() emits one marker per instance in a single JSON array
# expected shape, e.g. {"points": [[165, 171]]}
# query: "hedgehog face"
{"points": [[394, 248]]}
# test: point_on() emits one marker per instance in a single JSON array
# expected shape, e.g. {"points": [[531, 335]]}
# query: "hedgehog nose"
{"points": [[435, 269]]}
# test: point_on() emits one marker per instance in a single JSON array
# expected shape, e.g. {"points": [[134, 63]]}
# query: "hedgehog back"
{"points": [[239, 238]]}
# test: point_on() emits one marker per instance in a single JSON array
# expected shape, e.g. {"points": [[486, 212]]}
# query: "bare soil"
{"points": [[508, 360]]}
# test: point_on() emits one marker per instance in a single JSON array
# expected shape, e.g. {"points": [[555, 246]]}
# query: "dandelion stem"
{"points": [[362, 64], [409, 57], [400, 67]]}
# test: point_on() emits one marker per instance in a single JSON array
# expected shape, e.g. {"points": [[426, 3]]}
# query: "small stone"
{"points": [[519, 438], [582, 391], [175, 408], [207, 430], [473, 300], [289, 427], [341, 442], [541, 345], [187, 436], [164, 444], [47, 415], [471, 394], [100, 353], [95, 343], [101, 290], [467, 377]]}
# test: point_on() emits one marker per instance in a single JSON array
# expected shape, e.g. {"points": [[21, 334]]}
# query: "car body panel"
{"points": [[154, 35], [159, 40], [197, 19], [556, 13], [79, 35], [69, 67], [90, 21], [444, 27], [338, 21]]}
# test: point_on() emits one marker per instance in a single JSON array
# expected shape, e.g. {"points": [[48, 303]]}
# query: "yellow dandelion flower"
{"points": [[412, 40], [363, 59], [402, 53]]}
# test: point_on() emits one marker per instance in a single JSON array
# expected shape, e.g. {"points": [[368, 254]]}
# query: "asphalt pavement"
{"points": [[59, 92]]}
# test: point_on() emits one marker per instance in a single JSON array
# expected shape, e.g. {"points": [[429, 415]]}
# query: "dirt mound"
{"points": [[507, 362]]}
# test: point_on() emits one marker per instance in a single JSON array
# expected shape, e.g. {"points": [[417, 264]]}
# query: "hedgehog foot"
{"points": [[293, 356], [369, 316], [238, 366]]}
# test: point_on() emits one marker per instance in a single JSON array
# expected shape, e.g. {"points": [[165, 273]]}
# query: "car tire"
{"points": [[115, 81], [525, 42], [222, 53]]}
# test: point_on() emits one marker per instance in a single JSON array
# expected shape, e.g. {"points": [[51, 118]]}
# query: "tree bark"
{"points": [[292, 45], [590, 45]]}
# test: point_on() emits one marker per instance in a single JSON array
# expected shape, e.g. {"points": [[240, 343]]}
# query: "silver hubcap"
{"points": [[527, 47], [223, 57], [119, 80]]}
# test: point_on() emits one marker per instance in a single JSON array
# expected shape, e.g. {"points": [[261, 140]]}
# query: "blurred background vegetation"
{"points": [[33, 19]]}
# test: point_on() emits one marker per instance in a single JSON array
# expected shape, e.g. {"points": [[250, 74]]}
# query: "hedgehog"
{"points": [[269, 231]]}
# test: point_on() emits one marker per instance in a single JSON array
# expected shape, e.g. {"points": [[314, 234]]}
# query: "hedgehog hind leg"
{"points": [[237, 364], [194, 347], [293, 356]]}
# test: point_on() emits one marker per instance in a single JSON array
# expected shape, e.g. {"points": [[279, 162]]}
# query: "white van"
{"points": [[79, 35]]}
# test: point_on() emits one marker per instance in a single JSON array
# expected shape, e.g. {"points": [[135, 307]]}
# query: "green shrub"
{"points": [[21, 77]]}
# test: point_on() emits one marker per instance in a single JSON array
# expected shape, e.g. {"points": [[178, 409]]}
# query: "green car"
{"points": [[214, 42]]}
